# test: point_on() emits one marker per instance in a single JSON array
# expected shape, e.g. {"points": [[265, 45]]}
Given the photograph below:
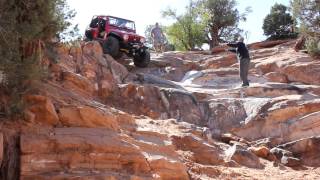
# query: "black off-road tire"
{"points": [[111, 46], [142, 59], [88, 35]]}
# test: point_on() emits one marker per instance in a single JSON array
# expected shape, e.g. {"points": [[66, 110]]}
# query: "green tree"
{"points": [[25, 26], [222, 19], [188, 32], [279, 23], [147, 33], [308, 14]]}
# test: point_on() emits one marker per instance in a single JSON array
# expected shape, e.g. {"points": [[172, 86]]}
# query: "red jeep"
{"points": [[117, 36]]}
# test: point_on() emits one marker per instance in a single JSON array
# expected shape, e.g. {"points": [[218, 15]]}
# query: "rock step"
{"points": [[86, 176], [93, 153], [75, 149]]}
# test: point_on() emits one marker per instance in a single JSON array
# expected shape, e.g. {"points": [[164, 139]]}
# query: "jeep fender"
{"points": [[115, 35]]}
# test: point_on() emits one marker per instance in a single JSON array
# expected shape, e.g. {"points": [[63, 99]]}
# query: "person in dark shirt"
{"points": [[243, 57]]}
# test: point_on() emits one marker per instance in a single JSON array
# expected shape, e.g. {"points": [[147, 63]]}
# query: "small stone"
{"points": [[290, 161], [242, 156], [261, 151], [279, 153]]}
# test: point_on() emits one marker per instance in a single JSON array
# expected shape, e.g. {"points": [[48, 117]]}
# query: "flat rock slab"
{"points": [[79, 150]]}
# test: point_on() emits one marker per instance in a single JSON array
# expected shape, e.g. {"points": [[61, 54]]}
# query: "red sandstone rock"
{"points": [[40, 109], [87, 117], [262, 151], [78, 83], [276, 77]]}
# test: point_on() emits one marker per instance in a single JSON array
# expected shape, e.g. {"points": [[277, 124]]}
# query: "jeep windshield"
{"points": [[122, 23]]}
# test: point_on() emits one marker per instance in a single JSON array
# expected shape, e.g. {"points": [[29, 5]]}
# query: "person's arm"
{"points": [[234, 45], [234, 50]]}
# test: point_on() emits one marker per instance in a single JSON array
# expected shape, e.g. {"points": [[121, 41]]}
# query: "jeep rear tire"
{"points": [[111, 46], [88, 35], [142, 59]]}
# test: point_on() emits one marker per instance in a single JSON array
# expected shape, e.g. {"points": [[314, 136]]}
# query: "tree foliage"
{"points": [[25, 26], [147, 32], [279, 23], [187, 33], [221, 18], [308, 14]]}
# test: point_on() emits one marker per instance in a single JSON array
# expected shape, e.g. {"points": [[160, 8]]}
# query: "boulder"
{"points": [[107, 84], [157, 103], [202, 153], [78, 83], [182, 106], [92, 49], [290, 161], [225, 114], [169, 170], [220, 62], [261, 151], [242, 156], [306, 149], [305, 126], [119, 72], [60, 56], [219, 49], [87, 117], [279, 153], [276, 77], [227, 138], [40, 109], [305, 72], [76, 52], [267, 44], [283, 120], [138, 100]]}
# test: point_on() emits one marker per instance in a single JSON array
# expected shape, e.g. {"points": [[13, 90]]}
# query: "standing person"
{"points": [[158, 38], [243, 57]]}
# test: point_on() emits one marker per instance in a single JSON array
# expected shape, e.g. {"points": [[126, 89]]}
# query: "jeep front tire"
{"points": [[142, 59], [111, 46]]}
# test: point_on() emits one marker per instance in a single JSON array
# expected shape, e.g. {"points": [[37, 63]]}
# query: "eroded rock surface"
{"points": [[184, 117]]}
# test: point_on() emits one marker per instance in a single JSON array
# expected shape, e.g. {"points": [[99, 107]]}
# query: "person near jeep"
{"points": [[243, 57], [158, 38]]}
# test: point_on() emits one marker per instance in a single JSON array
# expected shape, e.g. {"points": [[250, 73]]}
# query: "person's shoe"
{"points": [[245, 85]]}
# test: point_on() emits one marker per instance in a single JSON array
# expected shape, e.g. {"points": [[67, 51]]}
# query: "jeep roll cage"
{"points": [[101, 21]]}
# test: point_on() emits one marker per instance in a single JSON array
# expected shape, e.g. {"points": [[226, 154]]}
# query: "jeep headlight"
{"points": [[142, 40], [126, 37]]}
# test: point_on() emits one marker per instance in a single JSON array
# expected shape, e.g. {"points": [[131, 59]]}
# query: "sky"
{"points": [[146, 12]]}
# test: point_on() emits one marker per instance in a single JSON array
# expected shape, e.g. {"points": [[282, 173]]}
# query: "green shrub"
{"points": [[313, 46], [307, 13], [25, 26]]}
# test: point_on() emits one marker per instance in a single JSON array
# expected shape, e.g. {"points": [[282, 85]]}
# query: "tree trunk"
{"points": [[214, 37]]}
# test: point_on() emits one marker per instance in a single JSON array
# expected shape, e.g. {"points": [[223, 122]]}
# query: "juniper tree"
{"points": [[222, 19], [279, 23], [25, 25], [308, 14], [188, 31]]}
